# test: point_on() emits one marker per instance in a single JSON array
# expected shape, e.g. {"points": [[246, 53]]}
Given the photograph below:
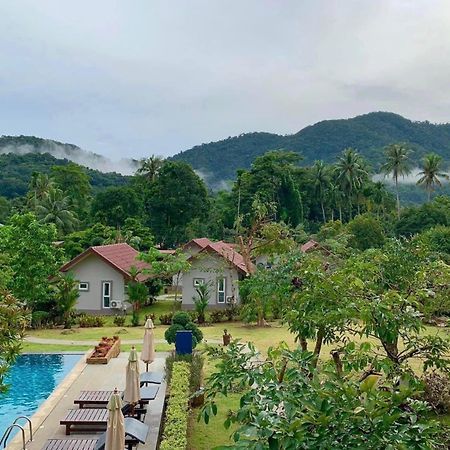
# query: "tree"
{"points": [[137, 293], [431, 173], [40, 186], [65, 288], [350, 174], [397, 164], [176, 198], [150, 167], [5, 209], [182, 321], [116, 204], [32, 258], [366, 232], [202, 300], [321, 182], [54, 208], [14, 319]]}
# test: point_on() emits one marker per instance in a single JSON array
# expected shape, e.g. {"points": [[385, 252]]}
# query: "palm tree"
{"points": [[150, 167], [397, 165], [351, 172], [321, 180], [66, 291], [431, 173], [40, 185], [54, 208]]}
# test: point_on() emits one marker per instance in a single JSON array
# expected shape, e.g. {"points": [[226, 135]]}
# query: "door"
{"points": [[106, 293]]}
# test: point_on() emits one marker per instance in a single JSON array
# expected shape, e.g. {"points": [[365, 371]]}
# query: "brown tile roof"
{"points": [[120, 256], [200, 242]]}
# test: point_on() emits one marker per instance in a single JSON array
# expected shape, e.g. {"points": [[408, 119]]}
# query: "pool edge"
{"points": [[39, 417]]}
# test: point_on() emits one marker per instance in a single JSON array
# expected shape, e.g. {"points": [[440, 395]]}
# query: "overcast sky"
{"points": [[137, 77]]}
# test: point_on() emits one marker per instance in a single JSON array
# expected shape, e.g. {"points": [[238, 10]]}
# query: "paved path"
{"points": [[37, 340]]}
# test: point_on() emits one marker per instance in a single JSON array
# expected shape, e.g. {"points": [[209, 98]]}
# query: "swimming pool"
{"points": [[32, 379]]}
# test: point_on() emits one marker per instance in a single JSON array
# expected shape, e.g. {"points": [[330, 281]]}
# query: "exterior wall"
{"points": [[210, 268], [94, 270]]}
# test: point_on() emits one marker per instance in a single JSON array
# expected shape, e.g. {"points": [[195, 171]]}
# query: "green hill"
{"points": [[368, 133], [16, 171]]}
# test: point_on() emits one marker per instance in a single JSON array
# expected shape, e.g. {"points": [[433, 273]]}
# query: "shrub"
{"points": [[39, 319], [86, 321], [193, 315], [196, 360], [166, 319], [135, 319], [177, 413], [119, 321], [182, 321], [437, 392], [216, 316], [232, 312]]}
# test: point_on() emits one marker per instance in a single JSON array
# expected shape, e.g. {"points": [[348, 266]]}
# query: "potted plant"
{"points": [[226, 337]]}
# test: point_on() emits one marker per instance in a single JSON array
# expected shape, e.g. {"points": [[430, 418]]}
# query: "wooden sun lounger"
{"points": [[135, 432], [151, 378], [101, 398]]}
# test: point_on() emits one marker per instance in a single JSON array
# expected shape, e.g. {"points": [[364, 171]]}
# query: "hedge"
{"points": [[177, 412]]}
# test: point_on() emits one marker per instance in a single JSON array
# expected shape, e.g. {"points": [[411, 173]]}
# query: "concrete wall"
{"points": [[209, 268], [94, 270]]}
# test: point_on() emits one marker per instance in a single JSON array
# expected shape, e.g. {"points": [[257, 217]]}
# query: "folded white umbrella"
{"points": [[148, 349], [115, 431], [132, 393]]}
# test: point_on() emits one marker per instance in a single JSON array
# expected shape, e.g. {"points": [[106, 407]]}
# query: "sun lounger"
{"points": [[101, 398], [151, 378], [135, 432], [95, 419]]}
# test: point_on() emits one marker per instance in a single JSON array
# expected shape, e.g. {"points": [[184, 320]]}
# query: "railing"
{"points": [[8, 431]]}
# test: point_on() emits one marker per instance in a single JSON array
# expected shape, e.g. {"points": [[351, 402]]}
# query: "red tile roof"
{"points": [[309, 246], [120, 256], [200, 242]]}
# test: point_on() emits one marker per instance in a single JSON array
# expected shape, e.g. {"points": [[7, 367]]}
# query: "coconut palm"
{"points": [[150, 167], [397, 165], [351, 172], [431, 173], [321, 181], [40, 186], [54, 208]]}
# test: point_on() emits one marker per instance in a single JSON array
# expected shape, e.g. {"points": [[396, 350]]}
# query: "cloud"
{"points": [[130, 79]]}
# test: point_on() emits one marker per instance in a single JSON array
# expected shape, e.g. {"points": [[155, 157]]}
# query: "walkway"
{"points": [[37, 340]]}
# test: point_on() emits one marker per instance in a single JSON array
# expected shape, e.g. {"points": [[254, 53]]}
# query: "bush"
{"points": [[166, 319], [216, 316], [193, 315], [232, 312], [135, 319], [39, 319], [119, 321], [182, 321], [177, 413], [86, 321], [196, 361], [437, 392]]}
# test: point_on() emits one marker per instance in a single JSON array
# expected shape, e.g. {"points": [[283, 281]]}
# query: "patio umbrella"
{"points": [[148, 349], [132, 392], [115, 431]]}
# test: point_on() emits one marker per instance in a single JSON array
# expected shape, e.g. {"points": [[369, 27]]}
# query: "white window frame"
{"points": [[221, 292], [84, 289], [109, 297], [198, 282]]}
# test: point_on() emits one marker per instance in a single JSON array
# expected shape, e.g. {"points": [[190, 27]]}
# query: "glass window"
{"points": [[198, 282], [106, 293], [221, 290], [83, 286]]}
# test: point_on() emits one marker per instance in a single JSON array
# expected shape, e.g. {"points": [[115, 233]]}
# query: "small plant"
{"points": [[39, 319], [216, 316], [119, 321], [202, 300], [166, 319], [86, 321], [135, 319]]}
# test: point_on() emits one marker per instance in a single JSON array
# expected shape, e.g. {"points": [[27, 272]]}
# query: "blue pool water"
{"points": [[32, 379]]}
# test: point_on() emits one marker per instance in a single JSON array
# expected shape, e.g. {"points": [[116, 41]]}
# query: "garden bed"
{"points": [[108, 348]]}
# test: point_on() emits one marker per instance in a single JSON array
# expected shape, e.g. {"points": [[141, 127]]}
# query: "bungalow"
{"points": [[218, 265], [102, 273]]}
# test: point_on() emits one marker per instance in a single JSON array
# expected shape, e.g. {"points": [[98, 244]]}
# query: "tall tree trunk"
{"points": [[398, 198], [340, 213], [303, 343], [337, 362], [318, 346], [323, 212]]}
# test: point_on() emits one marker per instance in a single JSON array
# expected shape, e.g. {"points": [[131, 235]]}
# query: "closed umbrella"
{"points": [[132, 392], [115, 431], [148, 349]]}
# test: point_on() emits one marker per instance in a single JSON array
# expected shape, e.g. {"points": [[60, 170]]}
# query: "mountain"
{"points": [[16, 171], [22, 145], [368, 133]]}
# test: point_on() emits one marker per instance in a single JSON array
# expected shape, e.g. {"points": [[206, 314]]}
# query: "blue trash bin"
{"points": [[183, 342]]}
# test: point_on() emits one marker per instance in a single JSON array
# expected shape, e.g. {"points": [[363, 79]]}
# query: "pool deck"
{"points": [[90, 377]]}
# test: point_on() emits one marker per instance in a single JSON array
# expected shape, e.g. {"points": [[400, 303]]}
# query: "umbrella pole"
{"points": [[146, 366]]}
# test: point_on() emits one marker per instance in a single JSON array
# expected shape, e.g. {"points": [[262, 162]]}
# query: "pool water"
{"points": [[31, 380]]}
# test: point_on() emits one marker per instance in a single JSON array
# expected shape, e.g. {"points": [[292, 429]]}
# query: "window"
{"points": [[221, 288], [83, 286], [198, 282], [106, 293]]}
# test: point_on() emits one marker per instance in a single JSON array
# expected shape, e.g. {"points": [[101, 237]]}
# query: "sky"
{"points": [[132, 78]]}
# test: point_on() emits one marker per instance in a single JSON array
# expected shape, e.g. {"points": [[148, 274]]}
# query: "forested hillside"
{"points": [[325, 140], [16, 171]]}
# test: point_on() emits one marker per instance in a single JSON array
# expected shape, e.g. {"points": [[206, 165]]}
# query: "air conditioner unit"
{"points": [[116, 304], [229, 300]]}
